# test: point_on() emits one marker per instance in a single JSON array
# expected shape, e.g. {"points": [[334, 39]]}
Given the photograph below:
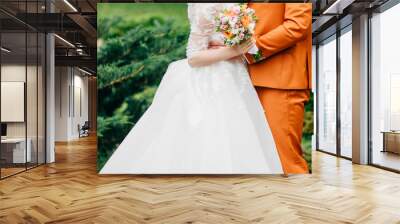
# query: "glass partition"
{"points": [[346, 93], [32, 95], [327, 95], [23, 90], [41, 96], [14, 153]]}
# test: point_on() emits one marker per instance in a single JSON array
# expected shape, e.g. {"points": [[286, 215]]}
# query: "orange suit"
{"points": [[283, 78]]}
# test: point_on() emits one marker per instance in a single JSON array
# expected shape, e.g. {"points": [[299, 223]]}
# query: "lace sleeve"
{"points": [[201, 17]]}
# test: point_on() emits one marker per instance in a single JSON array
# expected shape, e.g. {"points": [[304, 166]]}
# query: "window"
{"points": [[346, 92], [385, 89], [327, 95]]}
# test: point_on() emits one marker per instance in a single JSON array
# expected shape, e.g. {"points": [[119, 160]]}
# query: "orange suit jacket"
{"points": [[283, 34]]}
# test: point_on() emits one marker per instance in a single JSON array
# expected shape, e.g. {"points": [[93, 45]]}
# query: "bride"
{"points": [[205, 117]]}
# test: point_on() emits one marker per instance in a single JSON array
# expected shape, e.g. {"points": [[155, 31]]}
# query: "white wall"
{"points": [[14, 72], [61, 103], [33, 126], [17, 72], [70, 83], [80, 85]]}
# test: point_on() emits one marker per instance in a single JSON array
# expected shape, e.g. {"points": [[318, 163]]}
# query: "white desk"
{"points": [[19, 155]]}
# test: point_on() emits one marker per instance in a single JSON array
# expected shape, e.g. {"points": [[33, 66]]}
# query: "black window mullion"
{"points": [[316, 100], [26, 86], [338, 76], [37, 90], [45, 94], [0, 95], [369, 96]]}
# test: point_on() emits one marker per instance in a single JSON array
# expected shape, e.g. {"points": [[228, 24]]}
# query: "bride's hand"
{"points": [[212, 55], [215, 44], [244, 47]]}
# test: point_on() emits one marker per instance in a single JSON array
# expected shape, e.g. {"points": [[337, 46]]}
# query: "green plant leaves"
{"points": [[132, 59]]}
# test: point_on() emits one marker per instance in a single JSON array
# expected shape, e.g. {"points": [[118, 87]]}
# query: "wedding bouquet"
{"points": [[237, 24]]}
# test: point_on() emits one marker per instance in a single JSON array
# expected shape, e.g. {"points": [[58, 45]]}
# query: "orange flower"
{"points": [[228, 35], [245, 21]]}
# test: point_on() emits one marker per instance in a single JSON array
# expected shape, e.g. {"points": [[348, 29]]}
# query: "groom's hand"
{"points": [[244, 47], [215, 44]]}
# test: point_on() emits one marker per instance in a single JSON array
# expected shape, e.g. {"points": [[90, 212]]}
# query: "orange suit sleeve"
{"points": [[297, 21]]}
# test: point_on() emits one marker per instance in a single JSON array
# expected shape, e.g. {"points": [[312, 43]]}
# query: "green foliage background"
{"points": [[136, 42]]}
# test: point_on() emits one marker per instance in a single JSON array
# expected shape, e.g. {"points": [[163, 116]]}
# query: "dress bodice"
{"points": [[202, 25]]}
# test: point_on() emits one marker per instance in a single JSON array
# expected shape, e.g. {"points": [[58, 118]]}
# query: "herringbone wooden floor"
{"points": [[70, 191]]}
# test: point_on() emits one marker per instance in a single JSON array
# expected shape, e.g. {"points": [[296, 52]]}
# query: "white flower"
{"points": [[233, 21], [252, 26], [250, 11], [236, 9]]}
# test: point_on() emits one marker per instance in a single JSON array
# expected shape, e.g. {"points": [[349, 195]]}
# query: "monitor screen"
{"points": [[3, 129]]}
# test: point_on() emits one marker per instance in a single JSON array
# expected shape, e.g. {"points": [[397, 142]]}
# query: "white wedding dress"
{"points": [[203, 120]]}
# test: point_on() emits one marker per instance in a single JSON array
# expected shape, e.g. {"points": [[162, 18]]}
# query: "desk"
{"points": [[13, 150], [391, 141]]}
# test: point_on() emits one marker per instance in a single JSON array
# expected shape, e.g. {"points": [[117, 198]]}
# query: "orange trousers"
{"points": [[284, 110]]}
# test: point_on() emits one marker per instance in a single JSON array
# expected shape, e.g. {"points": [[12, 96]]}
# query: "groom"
{"points": [[283, 78]]}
